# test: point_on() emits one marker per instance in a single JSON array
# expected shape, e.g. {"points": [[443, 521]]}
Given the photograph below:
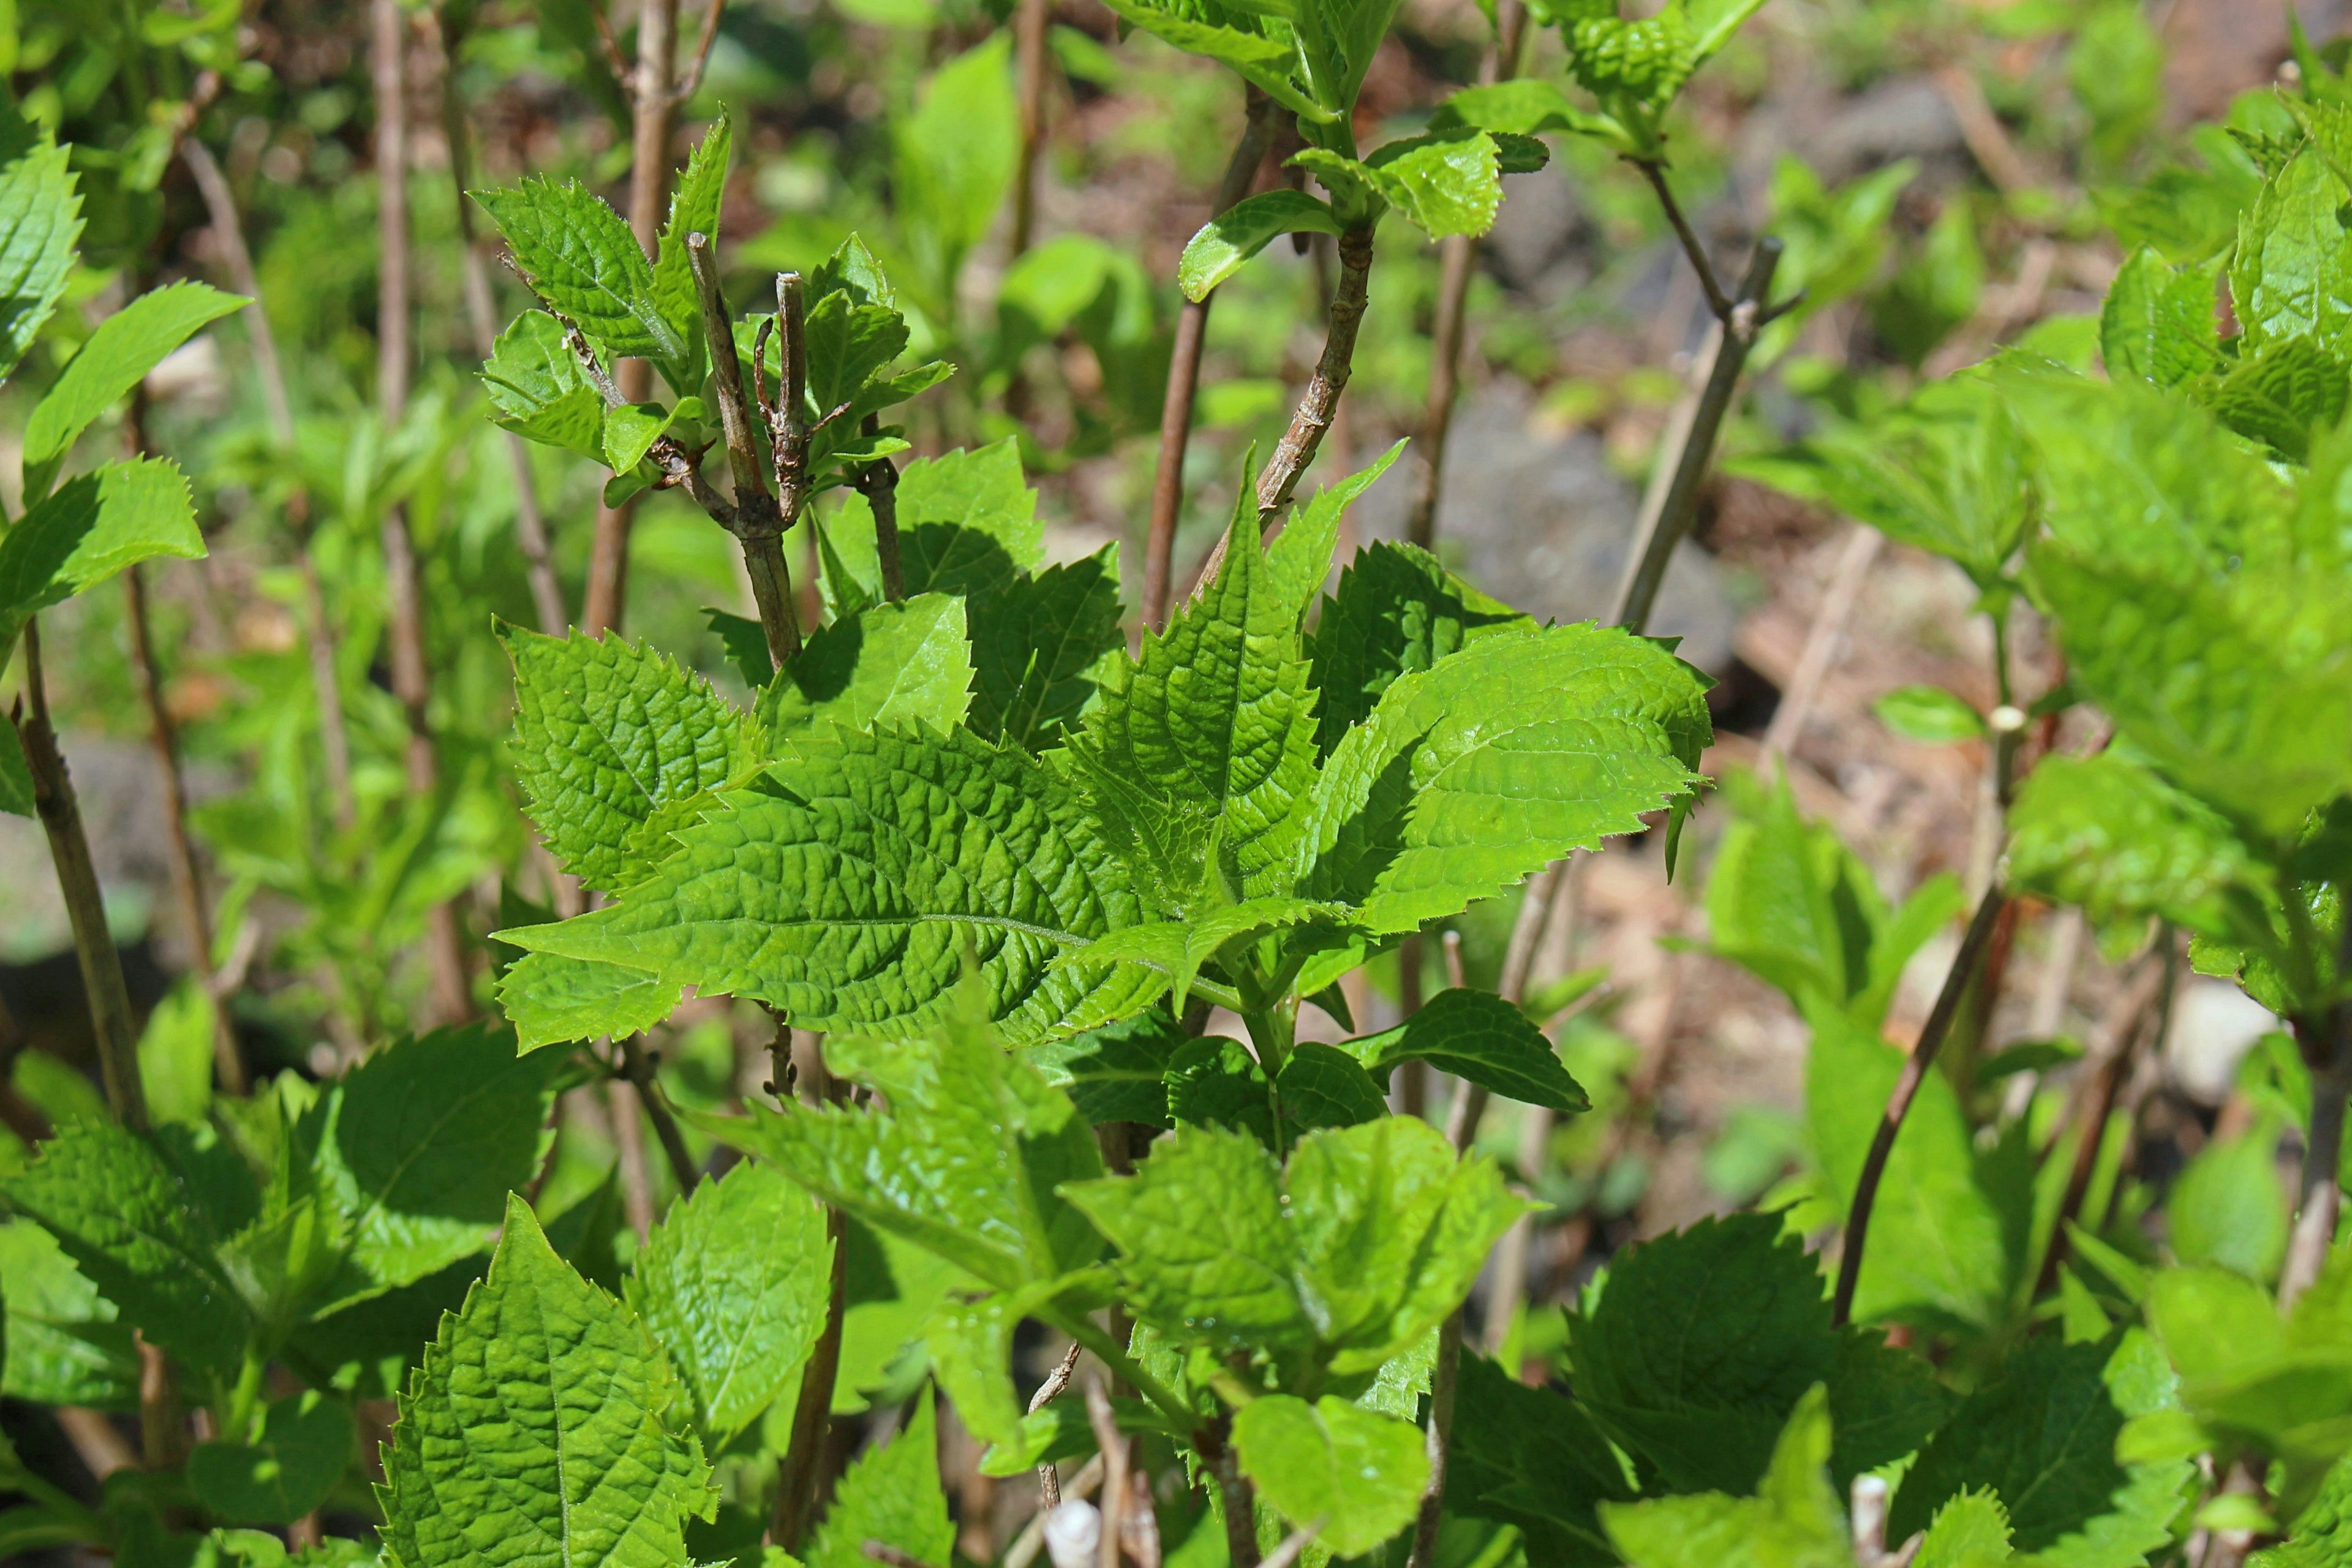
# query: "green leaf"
{"points": [[967, 520], [1495, 762], [2158, 322], [954, 158], [965, 1162], [579, 257], [2228, 1208], [1264, 61], [1115, 1073], [296, 1457], [133, 1227], [540, 389], [1299, 559], [1396, 611], [66, 1342], [1202, 750], [609, 736], [1477, 1036], [419, 1147], [1177, 949], [892, 1495], [112, 360], [90, 528], [1040, 645], [2280, 395], [2041, 1437], [694, 206], [543, 1424], [1323, 1086], [1928, 713], [888, 666], [2290, 275], [175, 1054], [2321, 1535], [849, 882], [2107, 834], [553, 1000], [734, 1283], [848, 345], [1700, 1345], [1444, 182], [630, 430], [40, 219], [1368, 1238], [1533, 1458], [1213, 1081], [16, 773], [746, 644], [1971, 1530], [1793, 1521], [1357, 1475], [1241, 230]]}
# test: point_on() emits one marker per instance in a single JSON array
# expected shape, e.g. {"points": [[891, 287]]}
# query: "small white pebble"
{"points": [[1074, 1534]]}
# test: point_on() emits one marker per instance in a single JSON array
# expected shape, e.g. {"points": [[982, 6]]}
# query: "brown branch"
{"points": [[1237, 1500], [1717, 301], [1029, 19], [1294, 1546], [797, 1471], [1438, 1441], [1315, 406], [1116, 1458], [653, 117], [610, 47], [1898, 1103], [1057, 1381], [1822, 640], [2151, 992], [689, 84], [1736, 336], [877, 481], [2326, 1045], [637, 1067], [1185, 374], [759, 521]]}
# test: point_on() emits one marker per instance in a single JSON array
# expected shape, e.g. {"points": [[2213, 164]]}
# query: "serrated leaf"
{"points": [[1358, 1474], [543, 1424], [891, 1495], [1533, 1458], [1115, 1073], [1446, 181], [112, 360], [90, 528], [419, 1146], [734, 1284], [541, 390], [2041, 1438], [1177, 949], [1039, 645], [2106, 834], [1396, 611], [1323, 1086], [694, 206], [2321, 1535], [1700, 1345], [66, 1345], [746, 644], [40, 219], [629, 432], [848, 345], [848, 882], [1241, 230], [1299, 559], [1477, 1036], [580, 256], [1971, 1530], [2158, 322], [2280, 395], [1793, 1521], [136, 1231], [1213, 1081], [553, 1000], [1349, 1255], [965, 1162], [608, 734], [1264, 61], [2290, 275], [887, 667], [1495, 762], [968, 519], [296, 1457]]}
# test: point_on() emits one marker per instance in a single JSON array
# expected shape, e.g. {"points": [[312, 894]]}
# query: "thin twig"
{"points": [[1315, 406], [758, 521], [1648, 569], [638, 1066], [1822, 640], [1293, 1545], [877, 481], [1717, 300], [691, 81], [797, 1472], [2326, 1045], [1049, 1478], [1029, 19], [882, 1552], [610, 47], [2151, 992], [1115, 1456], [1032, 1538], [1438, 1441], [1898, 1103], [1184, 374], [1236, 1498]]}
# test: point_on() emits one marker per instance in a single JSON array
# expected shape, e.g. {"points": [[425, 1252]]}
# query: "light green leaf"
{"points": [[1477, 1036], [850, 880], [1201, 752], [1241, 230], [694, 206], [1357, 1474], [2228, 1208], [540, 389], [1793, 1521], [734, 1284], [1444, 182], [630, 430], [40, 219], [1928, 713], [543, 1424], [2282, 395], [967, 520], [888, 666], [892, 1495], [137, 1232], [1493, 763], [66, 1345], [964, 1161], [419, 1146], [1179, 948], [553, 1000], [1269, 63], [1523, 106], [1971, 1530], [2158, 322], [93, 526], [1396, 611], [579, 257], [1299, 559], [609, 736], [2108, 835], [954, 158], [175, 1054], [2321, 1535], [296, 1457], [111, 360], [2290, 275]]}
